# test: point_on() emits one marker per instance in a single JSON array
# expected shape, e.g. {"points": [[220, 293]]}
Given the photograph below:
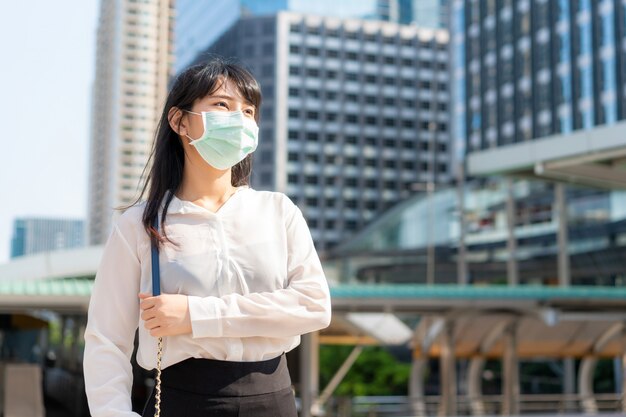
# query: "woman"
{"points": [[240, 277]]}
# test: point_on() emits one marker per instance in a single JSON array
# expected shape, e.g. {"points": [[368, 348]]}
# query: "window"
{"points": [[312, 136], [294, 70], [370, 162], [389, 122], [313, 93], [351, 182], [312, 157], [292, 178], [293, 92], [312, 72], [292, 156], [351, 139], [352, 56], [332, 53], [351, 76], [350, 35], [351, 160], [389, 142], [312, 115], [311, 180], [370, 120], [351, 204], [293, 134], [294, 113], [390, 163], [370, 78], [313, 51], [351, 118]]}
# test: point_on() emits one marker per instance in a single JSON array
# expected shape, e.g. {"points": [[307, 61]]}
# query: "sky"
{"points": [[47, 58]]}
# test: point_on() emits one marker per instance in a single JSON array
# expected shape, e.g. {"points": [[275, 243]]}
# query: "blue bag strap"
{"points": [[156, 273]]}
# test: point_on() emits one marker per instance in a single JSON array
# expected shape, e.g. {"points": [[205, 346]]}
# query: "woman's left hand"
{"points": [[165, 314]]}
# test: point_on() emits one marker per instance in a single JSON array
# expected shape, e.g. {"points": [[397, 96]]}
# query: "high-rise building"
{"points": [[355, 113], [33, 235], [133, 66], [194, 17], [527, 69]]}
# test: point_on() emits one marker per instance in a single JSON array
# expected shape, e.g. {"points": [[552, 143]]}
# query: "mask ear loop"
{"points": [[203, 126]]}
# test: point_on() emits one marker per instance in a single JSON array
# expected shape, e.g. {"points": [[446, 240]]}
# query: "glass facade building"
{"points": [[193, 18], [394, 248], [527, 69], [34, 235]]}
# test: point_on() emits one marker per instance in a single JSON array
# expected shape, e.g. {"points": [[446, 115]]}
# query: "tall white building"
{"points": [[354, 117], [133, 64]]}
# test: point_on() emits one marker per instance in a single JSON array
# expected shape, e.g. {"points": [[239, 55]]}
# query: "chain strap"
{"points": [[157, 404]]}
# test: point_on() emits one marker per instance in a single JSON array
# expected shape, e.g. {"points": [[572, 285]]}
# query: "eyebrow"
{"points": [[231, 98]]}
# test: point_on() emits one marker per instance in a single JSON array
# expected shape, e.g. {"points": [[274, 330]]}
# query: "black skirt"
{"points": [[207, 387]]}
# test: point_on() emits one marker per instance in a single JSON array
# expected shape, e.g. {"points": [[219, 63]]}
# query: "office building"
{"points": [[133, 66], [355, 113], [530, 69], [33, 235]]}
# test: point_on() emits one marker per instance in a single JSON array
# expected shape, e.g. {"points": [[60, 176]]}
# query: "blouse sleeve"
{"points": [[302, 307], [109, 335]]}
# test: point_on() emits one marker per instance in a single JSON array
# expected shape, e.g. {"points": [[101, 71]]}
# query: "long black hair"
{"points": [[167, 157]]}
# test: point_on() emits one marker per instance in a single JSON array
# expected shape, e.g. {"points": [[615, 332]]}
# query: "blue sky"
{"points": [[48, 54]]}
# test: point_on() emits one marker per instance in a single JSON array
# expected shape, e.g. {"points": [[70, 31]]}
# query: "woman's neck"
{"points": [[205, 183]]}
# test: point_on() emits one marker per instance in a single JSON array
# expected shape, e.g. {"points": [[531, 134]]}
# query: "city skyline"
{"points": [[48, 79]]}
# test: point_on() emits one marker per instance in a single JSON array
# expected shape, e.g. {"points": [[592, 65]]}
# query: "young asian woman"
{"points": [[241, 280]]}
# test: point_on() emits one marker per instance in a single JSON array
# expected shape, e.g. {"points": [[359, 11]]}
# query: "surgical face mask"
{"points": [[227, 139]]}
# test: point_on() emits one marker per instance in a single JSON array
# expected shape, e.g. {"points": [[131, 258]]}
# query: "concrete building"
{"points": [[32, 235], [133, 66], [355, 113]]}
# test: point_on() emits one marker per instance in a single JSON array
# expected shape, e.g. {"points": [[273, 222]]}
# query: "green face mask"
{"points": [[227, 139]]}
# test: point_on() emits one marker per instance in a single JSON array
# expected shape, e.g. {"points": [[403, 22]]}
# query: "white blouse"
{"points": [[251, 273]]}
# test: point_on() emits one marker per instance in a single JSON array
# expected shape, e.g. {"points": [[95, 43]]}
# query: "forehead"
{"points": [[227, 88]]}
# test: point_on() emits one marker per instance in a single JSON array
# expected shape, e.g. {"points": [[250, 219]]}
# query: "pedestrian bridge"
{"points": [[447, 322]]}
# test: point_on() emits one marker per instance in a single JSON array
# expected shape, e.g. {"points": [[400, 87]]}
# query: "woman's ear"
{"points": [[177, 122]]}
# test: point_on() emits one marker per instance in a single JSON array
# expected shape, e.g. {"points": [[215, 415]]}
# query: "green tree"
{"points": [[375, 372]]}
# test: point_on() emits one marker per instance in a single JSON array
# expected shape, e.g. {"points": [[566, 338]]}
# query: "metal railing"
{"points": [[489, 405]]}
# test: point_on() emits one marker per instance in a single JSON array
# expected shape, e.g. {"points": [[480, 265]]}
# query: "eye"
{"points": [[250, 112], [222, 103]]}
